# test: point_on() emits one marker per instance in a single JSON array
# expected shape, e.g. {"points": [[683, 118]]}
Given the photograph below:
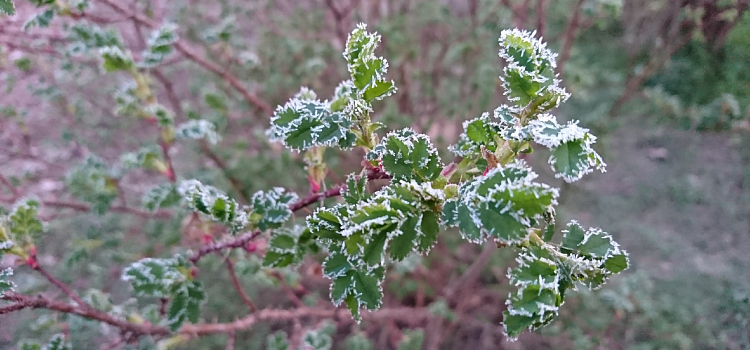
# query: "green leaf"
{"points": [[42, 19], [273, 207], [24, 224], [198, 130], [5, 284], [213, 203], [161, 196], [285, 248], [367, 71], [403, 244], [373, 253], [572, 149], [502, 204], [320, 338], [410, 156], [336, 264], [114, 59], [429, 231], [57, 343], [355, 190], [367, 290], [159, 45], [153, 277], [7, 7], [341, 287], [412, 340], [359, 341], [93, 182], [277, 341], [185, 301]]}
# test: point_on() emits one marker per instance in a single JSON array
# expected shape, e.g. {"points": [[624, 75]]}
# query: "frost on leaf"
{"points": [[159, 45], [545, 273], [319, 338], [410, 156], [594, 255], [355, 190], [7, 7], [367, 70], [213, 203], [573, 154], [57, 343], [168, 278], [302, 124], [163, 116], [41, 19], [198, 130], [5, 284], [539, 295], [161, 196], [362, 236], [84, 37], [277, 341], [147, 157], [93, 182], [502, 205], [273, 207], [529, 74], [115, 59]]}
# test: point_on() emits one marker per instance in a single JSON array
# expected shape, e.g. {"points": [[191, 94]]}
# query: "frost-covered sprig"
{"points": [[168, 278], [213, 203], [198, 130], [159, 45], [6, 285]]}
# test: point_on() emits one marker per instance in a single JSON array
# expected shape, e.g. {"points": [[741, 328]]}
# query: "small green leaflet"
{"points": [[273, 207], [7, 7], [93, 182], [407, 155], [24, 224], [115, 59], [277, 341], [159, 45], [41, 19], [355, 190], [198, 130], [161, 196], [56, 343], [413, 339], [319, 338], [210, 201], [5, 284], [595, 254], [185, 302]]}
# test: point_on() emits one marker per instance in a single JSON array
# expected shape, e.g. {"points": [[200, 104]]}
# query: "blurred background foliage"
{"points": [[665, 85]]}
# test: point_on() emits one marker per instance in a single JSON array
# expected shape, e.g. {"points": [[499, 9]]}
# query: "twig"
{"points": [[13, 190], [238, 286], [60, 284], [469, 278], [188, 51], [230, 341], [288, 290], [569, 37], [233, 181]]}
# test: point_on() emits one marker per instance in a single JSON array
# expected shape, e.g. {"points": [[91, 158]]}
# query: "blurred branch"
{"points": [[59, 284], [189, 52], [570, 36], [288, 290], [238, 286]]}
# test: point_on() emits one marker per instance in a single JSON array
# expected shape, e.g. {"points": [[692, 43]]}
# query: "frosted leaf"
{"points": [[161, 196], [89, 36], [410, 156], [115, 59], [367, 70], [289, 246], [573, 154], [168, 278], [319, 338], [303, 124], [42, 19], [93, 182], [198, 130], [273, 207], [57, 343], [159, 45], [5, 284], [7, 7], [163, 116], [503, 204], [213, 203]]}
